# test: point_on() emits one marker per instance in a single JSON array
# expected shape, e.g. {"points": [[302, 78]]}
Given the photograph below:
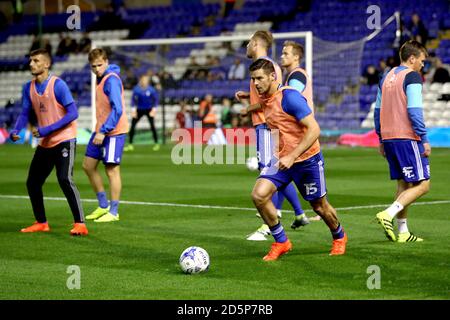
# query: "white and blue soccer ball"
{"points": [[252, 163], [194, 260]]}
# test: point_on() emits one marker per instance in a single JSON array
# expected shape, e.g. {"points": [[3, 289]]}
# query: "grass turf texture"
{"points": [[137, 258]]}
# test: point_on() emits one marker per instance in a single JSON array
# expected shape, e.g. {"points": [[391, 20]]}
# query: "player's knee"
{"points": [[259, 197], [112, 170], [86, 167]]}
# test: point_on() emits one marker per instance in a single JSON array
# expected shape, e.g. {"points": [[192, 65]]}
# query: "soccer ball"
{"points": [[252, 163], [194, 260]]}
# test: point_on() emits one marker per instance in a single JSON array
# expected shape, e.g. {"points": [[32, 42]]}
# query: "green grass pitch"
{"points": [[137, 258]]}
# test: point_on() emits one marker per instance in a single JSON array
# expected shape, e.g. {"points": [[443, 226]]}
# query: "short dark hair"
{"points": [[41, 51], [412, 48], [297, 48], [265, 36], [97, 53], [264, 64]]}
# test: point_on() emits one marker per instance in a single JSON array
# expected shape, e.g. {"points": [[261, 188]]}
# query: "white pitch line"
{"points": [[199, 206]]}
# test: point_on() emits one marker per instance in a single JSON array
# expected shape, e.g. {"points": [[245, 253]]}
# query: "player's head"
{"points": [[40, 61], [414, 54], [292, 54], [144, 80], [260, 40], [262, 73], [98, 59]]}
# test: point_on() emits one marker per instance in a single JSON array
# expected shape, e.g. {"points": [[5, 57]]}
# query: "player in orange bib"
{"points": [[107, 142], [403, 138], [258, 48], [49, 99], [298, 159], [299, 79]]}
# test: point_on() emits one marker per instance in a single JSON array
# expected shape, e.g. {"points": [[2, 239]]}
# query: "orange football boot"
{"points": [[277, 250], [79, 229], [339, 246], [37, 227]]}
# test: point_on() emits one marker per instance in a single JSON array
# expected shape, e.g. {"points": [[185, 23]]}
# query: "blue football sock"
{"points": [[338, 233], [291, 195], [114, 210], [102, 199], [278, 233]]}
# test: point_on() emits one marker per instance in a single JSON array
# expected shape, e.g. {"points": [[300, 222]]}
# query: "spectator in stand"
{"points": [[391, 62], [226, 115], [183, 117], [441, 73], [371, 75], [66, 45], [192, 69], [167, 81], [84, 46], [383, 68], [206, 113], [155, 81], [418, 30], [36, 44], [237, 70], [216, 70]]}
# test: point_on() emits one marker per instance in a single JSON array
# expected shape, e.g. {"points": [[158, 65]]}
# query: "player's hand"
{"points": [[241, 95], [381, 150], [427, 150], [134, 113], [152, 113], [285, 162], [35, 132], [98, 139]]}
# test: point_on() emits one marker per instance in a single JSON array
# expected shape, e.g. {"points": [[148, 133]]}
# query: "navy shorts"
{"points": [[406, 161], [308, 176], [110, 151]]}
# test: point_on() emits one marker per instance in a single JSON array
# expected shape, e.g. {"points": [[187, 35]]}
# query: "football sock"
{"points": [[102, 199], [402, 225], [395, 208], [338, 233], [291, 195], [278, 233], [114, 209]]}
